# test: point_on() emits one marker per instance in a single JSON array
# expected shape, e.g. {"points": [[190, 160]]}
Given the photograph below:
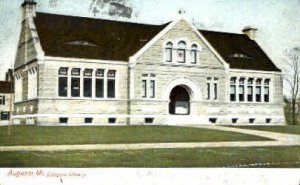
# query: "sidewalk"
{"points": [[280, 140]]}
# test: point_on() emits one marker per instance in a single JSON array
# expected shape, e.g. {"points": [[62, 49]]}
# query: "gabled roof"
{"points": [[81, 37], [6, 87], [239, 51]]}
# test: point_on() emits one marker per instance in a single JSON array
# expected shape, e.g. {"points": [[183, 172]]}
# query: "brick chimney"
{"points": [[250, 32], [29, 8]]}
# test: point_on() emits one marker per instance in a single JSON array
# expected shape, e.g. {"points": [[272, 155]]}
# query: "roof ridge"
{"points": [[222, 32], [101, 19]]}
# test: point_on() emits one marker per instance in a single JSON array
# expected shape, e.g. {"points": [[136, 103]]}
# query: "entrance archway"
{"points": [[179, 101]]}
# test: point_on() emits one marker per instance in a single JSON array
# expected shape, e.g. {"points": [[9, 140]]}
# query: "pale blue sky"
{"points": [[278, 21]]}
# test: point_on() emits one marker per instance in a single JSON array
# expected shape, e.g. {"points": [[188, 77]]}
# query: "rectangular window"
{"points": [[2, 100], [63, 120], [234, 120], [144, 88], [266, 94], [63, 86], [149, 120], [258, 94], [207, 91], [100, 72], [251, 120], [99, 88], [168, 54], [233, 89], [111, 73], [87, 87], [194, 56], [75, 87], [111, 88], [215, 91], [152, 88], [241, 89], [212, 120], [241, 93], [232, 93], [63, 71], [88, 120], [5, 115], [266, 90], [250, 94], [88, 72], [112, 120], [75, 71], [181, 55]]}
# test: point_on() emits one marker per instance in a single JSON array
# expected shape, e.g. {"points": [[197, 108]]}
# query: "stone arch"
{"points": [[192, 88]]}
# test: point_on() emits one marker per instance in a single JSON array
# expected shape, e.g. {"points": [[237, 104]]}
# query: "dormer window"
{"points": [[81, 43], [194, 51], [169, 48], [239, 55], [181, 52]]}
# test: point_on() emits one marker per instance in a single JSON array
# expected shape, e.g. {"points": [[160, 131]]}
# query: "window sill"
{"points": [[180, 63]]}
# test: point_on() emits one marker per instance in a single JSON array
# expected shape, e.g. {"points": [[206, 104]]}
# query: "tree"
{"points": [[292, 77], [113, 8]]}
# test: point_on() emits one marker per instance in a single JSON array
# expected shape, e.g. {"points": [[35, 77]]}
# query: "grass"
{"points": [[288, 129], [35, 135], [281, 156]]}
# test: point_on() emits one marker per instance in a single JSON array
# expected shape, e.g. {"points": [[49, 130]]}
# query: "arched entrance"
{"points": [[179, 101]]}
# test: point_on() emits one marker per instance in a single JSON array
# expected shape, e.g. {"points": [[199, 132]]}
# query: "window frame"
{"points": [[194, 53], [75, 71], [111, 79], [152, 88], [144, 88], [250, 84], [2, 99], [75, 92], [182, 49], [5, 115], [266, 86], [241, 86], [169, 48], [233, 96], [258, 86], [63, 78]]}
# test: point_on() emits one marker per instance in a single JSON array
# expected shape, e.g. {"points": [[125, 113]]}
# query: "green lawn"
{"points": [[287, 156], [35, 135], [288, 129]]}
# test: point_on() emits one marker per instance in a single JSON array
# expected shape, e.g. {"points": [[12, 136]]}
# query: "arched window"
{"points": [[181, 52], [169, 48], [194, 50]]}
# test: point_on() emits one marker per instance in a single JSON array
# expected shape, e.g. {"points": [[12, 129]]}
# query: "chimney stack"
{"points": [[29, 8], [250, 32]]}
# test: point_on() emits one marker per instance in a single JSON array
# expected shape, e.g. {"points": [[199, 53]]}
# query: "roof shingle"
{"points": [[232, 45], [81, 37]]}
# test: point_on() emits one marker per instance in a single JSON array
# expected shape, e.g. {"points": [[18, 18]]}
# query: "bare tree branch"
{"points": [[292, 71]]}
